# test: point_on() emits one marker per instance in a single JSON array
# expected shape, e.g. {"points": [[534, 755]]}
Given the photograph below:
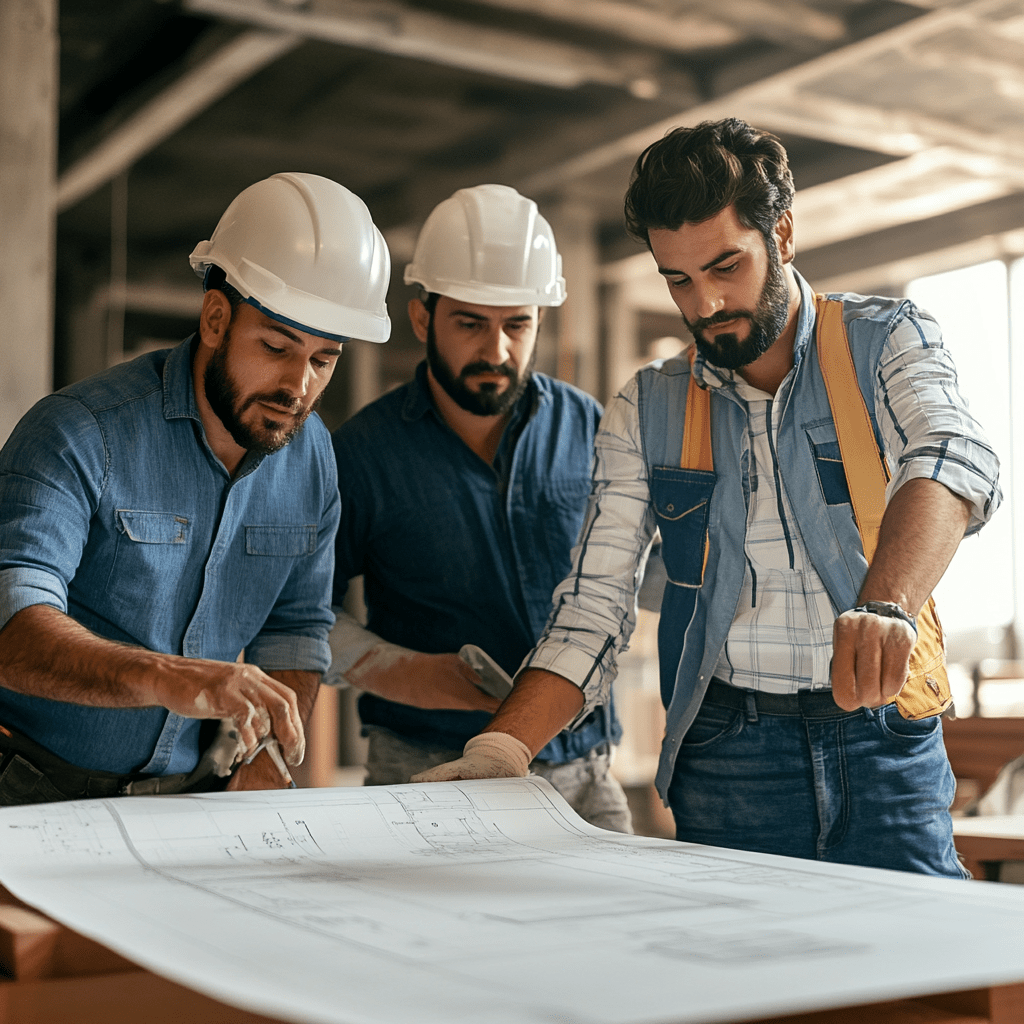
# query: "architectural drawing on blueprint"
{"points": [[486, 902]]}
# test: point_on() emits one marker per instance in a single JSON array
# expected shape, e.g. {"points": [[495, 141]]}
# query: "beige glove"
{"points": [[491, 755]]}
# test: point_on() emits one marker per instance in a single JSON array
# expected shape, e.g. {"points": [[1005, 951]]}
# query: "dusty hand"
{"points": [[421, 680], [491, 755], [870, 659], [256, 703]]}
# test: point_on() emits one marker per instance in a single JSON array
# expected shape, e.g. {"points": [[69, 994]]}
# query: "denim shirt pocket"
{"points": [[150, 548], [682, 507], [828, 462], [153, 527], [280, 541]]}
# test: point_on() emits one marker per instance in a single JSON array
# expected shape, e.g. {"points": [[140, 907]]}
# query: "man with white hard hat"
{"points": [[163, 518], [462, 493]]}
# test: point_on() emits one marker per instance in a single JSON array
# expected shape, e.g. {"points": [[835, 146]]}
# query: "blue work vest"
{"points": [[691, 504]]}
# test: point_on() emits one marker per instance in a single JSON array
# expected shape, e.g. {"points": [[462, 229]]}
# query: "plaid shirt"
{"points": [[781, 637]]}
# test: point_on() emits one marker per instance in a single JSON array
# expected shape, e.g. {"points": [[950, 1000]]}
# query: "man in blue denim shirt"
{"points": [[462, 494], [164, 516]]}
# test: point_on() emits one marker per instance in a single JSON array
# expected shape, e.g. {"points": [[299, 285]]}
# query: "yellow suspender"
{"points": [[696, 452], [866, 475]]}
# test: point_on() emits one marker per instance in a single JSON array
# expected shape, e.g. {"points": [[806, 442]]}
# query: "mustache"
{"points": [[481, 366], [718, 318], [279, 398]]}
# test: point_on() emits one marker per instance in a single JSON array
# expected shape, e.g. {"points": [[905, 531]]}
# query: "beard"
{"points": [[488, 401], [767, 321], [265, 436]]}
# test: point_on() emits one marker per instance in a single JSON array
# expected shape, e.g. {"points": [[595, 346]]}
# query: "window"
{"points": [[978, 593]]}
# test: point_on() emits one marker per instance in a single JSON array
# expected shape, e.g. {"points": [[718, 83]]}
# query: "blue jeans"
{"points": [[864, 787]]}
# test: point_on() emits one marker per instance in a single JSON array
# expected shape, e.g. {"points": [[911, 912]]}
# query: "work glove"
{"points": [[491, 755]]}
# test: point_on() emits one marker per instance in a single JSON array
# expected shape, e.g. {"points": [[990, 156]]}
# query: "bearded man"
{"points": [[162, 519], [783, 645], [462, 494]]}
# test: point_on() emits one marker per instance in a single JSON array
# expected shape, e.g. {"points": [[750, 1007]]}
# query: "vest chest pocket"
{"points": [[682, 505], [828, 463]]}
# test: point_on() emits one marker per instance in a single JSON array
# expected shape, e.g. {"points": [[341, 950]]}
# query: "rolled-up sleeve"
{"points": [[52, 471], [594, 608], [927, 428]]}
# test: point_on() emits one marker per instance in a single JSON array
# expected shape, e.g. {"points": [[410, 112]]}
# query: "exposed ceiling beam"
{"points": [[682, 31], [190, 94], [928, 184], [669, 27], [899, 133], [387, 26]]}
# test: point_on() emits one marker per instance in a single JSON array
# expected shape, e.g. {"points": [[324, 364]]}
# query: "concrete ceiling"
{"points": [[904, 120]]}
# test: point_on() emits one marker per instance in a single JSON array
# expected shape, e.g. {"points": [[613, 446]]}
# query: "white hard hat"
{"points": [[304, 250], [488, 244]]}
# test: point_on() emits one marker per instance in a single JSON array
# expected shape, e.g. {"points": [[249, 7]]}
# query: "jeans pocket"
{"points": [[893, 724], [711, 725]]}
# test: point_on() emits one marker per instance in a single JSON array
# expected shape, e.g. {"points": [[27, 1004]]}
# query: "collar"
{"points": [[179, 395], [708, 375]]}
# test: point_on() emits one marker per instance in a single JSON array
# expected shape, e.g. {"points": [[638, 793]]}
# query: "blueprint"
{"points": [[488, 902]]}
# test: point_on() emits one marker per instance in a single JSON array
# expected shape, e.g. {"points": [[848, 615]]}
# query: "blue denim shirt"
{"points": [[454, 551], [114, 509]]}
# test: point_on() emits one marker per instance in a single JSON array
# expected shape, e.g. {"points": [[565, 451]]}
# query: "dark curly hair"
{"points": [[694, 173]]}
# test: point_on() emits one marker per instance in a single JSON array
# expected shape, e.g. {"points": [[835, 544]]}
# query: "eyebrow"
{"points": [[484, 319], [707, 266], [274, 325]]}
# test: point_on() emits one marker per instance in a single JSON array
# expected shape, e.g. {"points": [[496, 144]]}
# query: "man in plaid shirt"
{"points": [[779, 660]]}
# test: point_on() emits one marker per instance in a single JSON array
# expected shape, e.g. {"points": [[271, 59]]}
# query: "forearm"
{"points": [[306, 686], [349, 641], [45, 653], [539, 707], [922, 526]]}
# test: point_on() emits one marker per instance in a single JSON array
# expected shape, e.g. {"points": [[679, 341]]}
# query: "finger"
{"points": [[844, 677], [246, 723], [896, 651], [868, 668], [285, 721]]}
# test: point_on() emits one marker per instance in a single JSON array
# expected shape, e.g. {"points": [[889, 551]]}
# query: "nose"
{"points": [[296, 377], [710, 299], [496, 345]]}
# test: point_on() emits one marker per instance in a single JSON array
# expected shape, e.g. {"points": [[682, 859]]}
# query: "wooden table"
{"points": [[984, 842], [56, 975]]}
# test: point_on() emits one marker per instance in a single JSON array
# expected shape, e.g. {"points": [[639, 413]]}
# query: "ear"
{"points": [[783, 232], [214, 318], [419, 317]]}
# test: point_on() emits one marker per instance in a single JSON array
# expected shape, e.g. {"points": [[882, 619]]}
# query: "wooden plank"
{"points": [[125, 998], [33, 947], [979, 747]]}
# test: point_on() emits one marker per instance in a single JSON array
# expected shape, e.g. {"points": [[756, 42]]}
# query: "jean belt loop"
{"points": [[871, 714], [751, 700]]}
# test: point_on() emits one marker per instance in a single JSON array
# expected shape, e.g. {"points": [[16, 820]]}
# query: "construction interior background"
{"points": [[126, 127]]}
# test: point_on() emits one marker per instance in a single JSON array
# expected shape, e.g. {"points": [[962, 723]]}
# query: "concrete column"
{"points": [[620, 358], [363, 373], [575, 226], [28, 146]]}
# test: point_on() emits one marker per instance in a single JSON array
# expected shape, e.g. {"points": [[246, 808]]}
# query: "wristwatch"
{"points": [[888, 610]]}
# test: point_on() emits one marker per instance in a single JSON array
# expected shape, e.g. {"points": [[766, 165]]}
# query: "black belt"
{"points": [[32, 774], [802, 704], [29, 774]]}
